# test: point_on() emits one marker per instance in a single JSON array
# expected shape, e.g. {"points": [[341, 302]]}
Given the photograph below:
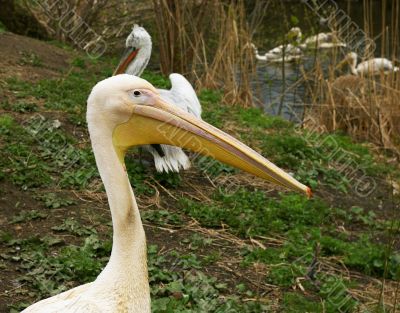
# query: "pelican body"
{"points": [[280, 51], [276, 55], [322, 41], [373, 66], [288, 52], [283, 53], [125, 111], [135, 59]]}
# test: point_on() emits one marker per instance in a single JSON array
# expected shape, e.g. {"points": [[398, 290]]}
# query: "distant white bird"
{"points": [[276, 56], [372, 67], [321, 37], [280, 51], [134, 61], [283, 53], [287, 52], [322, 41]]}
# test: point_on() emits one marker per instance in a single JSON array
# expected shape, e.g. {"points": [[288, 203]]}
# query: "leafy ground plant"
{"points": [[247, 248]]}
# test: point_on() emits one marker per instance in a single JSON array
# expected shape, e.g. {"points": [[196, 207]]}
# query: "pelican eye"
{"points": [[137, 95]]}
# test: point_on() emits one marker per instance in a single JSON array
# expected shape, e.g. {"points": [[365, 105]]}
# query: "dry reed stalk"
{"points": [[208, 48], [80, 22], [366, 108], [363, 108]]}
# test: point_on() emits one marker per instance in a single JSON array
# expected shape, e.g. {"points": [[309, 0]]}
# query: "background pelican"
{"points": [[322, 41], [373, 66], [277, 56], [290, 51], [125, 111], [134, 61], [283, 50]]}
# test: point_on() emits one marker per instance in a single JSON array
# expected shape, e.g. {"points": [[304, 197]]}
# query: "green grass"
{"points": [[303, 222], [55, 201], [183, 289], [294, 303], [68, 94], [157, 80], [175, 289], [30, 58], [251, 213], [315, 159], [41, 155], [42, 158], [332, 160], [2, 28], [25, 216]]}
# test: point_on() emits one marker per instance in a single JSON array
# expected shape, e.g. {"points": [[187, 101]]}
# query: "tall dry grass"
{"points": [[367, 108], [75, 21], [209, 41]]}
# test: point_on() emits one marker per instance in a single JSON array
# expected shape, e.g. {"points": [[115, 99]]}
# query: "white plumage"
{"points": [[182, 94], [373, 66], [282, 53], [276, 55], [279, 51], [67, 302], [293, 51], [125, 111], [288, 52], [322, 41], [122, 286]]}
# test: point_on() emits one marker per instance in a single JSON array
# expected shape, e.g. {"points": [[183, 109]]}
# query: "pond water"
{"points": [[279, 88]]}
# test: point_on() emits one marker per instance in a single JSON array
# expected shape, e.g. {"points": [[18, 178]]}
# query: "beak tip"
{"points": [[309, 193]]}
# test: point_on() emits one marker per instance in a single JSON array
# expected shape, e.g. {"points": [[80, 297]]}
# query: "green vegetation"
{"points": [[2, 28], [30, 58], [303, 222], [38, 152], [55, 201], [25, 216], [317, 244]]}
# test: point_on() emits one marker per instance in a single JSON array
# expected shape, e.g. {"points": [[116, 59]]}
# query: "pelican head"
{"points": [[132, 112], [351, 59], [352, 56], [295, 33], [112, 100], [295, 30], [138, 38], [138, 42]]}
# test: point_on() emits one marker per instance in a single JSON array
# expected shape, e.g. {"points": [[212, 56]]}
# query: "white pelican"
{"points": [[322, 41], [372, 67], [125, 111], [276, 57], [291, 51], [134, 61], [283, 53], [288, 50]]}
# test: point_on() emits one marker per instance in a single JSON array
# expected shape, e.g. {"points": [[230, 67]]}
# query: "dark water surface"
{"points": [[279, 88]]}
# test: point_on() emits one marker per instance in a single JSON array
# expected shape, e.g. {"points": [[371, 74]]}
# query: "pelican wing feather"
{"points": [[182, 95]]}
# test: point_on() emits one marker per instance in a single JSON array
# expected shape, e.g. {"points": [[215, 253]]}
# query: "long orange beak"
{"points": [[127, 57], [162, 123]]}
